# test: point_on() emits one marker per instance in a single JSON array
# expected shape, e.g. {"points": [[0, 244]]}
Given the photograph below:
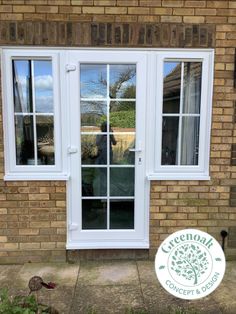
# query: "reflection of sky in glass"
{"points": [[43, 86], [93, 81], [42, 82], [169, 67], [97, 107]]}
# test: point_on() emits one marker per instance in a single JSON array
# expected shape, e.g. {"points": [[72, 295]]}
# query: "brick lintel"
{"points": [[107, 34]]}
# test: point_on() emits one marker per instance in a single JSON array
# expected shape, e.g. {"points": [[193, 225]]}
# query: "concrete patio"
{"points": [[96, 287]]}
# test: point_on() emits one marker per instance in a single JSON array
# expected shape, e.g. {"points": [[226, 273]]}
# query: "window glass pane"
{"points": [[93, 114], [192, 87], [171, 87], [94, 214], [170, 127], [45, 140], [122, 181], [121, 214], [93, 81], [122, 81], [24, 140], [190, 140], [122, 116], [43, 86], [22, 86], [120, 153], [94, 181]]}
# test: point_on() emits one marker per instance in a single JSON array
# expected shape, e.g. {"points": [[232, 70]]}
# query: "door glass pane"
{"points": [[43, 86], [170, 127], [94, 181], [94, 149], [94, 213], [121, 154], [93, 81], [93, 114], [122, 81], [45, 140], [106, 140], [122, 116], [192, 87], [190, 140], [24, 140], [171, 88], [22, 83], [122, 181], [122, 214]]}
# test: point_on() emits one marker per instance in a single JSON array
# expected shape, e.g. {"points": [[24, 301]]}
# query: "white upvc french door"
{"points": [[107, 187]]}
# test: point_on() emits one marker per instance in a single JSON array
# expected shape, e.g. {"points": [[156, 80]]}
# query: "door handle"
{"points": [[136, 150], [72, 150]]}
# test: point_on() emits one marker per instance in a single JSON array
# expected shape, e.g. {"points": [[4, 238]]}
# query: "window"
{"points": [[183, 115], [32, 115]]}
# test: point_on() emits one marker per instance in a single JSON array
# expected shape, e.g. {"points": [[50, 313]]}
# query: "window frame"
{"points": [[157, 171], [31, 172]]}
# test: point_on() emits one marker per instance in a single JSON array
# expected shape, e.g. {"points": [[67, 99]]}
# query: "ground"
{"points": [[100, 287]]}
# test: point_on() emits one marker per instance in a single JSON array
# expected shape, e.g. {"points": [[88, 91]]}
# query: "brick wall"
{"points": [[33, 214]]}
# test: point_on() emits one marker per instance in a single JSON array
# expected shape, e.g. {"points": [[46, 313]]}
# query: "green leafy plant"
{"points": [[20, 304]]}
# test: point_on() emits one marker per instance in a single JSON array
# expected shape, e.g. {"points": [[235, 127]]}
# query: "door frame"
{"points": [[137, 239]]}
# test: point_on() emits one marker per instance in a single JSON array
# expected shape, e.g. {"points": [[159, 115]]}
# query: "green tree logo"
{"points": [[190, 262]]}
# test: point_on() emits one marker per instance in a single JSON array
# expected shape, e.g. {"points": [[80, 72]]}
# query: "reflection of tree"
{"points": [[189, 262], [120, 86]]}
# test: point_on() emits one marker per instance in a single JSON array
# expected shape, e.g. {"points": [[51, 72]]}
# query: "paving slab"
{"points": [[158, 300], [8, 273], [108, 273], [107, 299]]}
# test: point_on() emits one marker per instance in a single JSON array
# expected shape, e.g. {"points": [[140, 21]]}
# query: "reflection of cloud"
{"points": [[43, 82], [44, 103], [21, 81]]}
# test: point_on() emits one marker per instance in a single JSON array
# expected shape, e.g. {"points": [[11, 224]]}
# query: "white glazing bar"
{"points": [[34, 116], [111, 197], [101, 133], [104, 166], [108, 146], [112, 99], [181, 112], [31, 114]]}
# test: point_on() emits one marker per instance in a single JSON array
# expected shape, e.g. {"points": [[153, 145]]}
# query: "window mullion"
{"points": [[181, 112], [108, 146], [34, 113]]}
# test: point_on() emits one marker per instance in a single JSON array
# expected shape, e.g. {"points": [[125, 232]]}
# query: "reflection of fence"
{"points": [[121, 149]]}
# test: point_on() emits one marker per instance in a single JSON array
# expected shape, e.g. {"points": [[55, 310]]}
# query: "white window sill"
{"points": [[178, 176], [37, 177]]}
